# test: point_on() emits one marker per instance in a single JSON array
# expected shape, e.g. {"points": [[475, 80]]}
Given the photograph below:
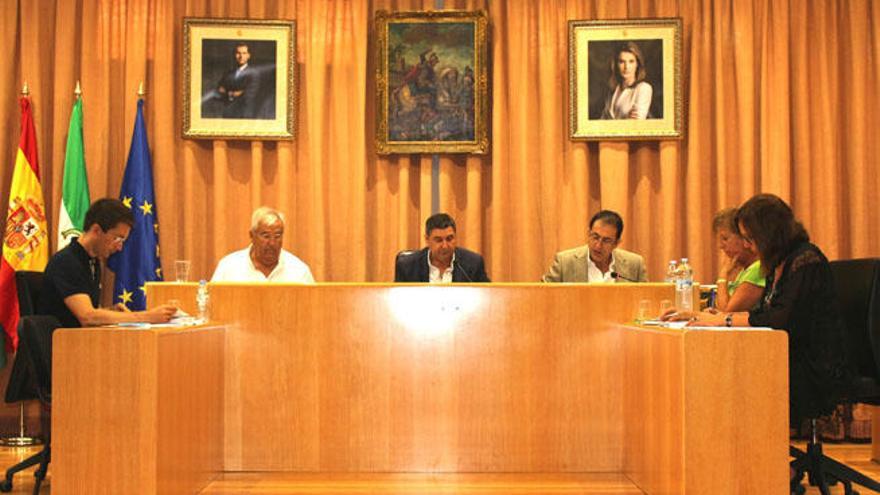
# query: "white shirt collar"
{"points": [[594, 274]]}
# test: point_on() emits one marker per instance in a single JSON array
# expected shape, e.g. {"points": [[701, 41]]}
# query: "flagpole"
{"points": [[22, 440]]}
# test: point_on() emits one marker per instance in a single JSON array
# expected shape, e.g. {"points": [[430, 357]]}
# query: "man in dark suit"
{"points": [[238, 87], [440, 262]]}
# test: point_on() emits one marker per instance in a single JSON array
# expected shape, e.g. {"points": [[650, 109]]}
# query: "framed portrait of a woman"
{"points": [[625, 79]]}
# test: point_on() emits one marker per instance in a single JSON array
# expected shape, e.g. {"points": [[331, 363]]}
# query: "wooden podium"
{"points": [[518, 378], [136, 411]]}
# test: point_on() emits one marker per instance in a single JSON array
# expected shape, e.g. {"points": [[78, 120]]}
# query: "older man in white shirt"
{"points": [[263, 260]]}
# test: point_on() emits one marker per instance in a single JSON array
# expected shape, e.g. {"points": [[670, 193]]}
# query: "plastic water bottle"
{"points": [[202, 300], [671, 272], [684, 287]]}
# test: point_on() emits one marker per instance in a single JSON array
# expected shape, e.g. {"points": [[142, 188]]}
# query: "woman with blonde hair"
{"points": [[740, 283]]}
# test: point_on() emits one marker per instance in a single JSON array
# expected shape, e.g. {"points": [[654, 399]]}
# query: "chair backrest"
{"points": [[29, 286], [35, 340], [400, 258], [857, 284], [404, 253]]}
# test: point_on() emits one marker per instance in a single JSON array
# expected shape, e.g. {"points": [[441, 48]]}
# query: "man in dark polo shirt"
{"points": [[72, 282]]}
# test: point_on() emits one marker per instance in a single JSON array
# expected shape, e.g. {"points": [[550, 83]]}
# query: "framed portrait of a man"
{"points": [[625, 79], [431, 82], [239, 78]]}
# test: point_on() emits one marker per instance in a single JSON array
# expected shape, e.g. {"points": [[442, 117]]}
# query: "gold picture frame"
{"points": [[625, 79], [239, 78], [432, 82]]}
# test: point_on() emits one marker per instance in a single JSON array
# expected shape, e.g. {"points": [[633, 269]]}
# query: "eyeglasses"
{"points": [[116, 238], [597, 239]]}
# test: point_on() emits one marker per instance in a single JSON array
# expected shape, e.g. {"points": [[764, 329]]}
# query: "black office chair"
{"points": [[857, 283], [29, 286], [404, 254], [400, 256], [22, 383], [35, 348]]}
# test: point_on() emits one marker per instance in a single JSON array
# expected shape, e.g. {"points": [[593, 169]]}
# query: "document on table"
{"points": [[180, 319], [678, 325], [665, 324]]}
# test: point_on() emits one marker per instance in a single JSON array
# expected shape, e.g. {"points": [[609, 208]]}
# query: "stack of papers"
{"points": [[684, 324], [180, 319], [664, 324]]}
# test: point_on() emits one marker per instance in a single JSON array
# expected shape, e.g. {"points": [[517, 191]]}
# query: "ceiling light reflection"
{"points": [[433, 311]]}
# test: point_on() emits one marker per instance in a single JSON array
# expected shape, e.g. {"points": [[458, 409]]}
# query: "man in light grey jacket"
{"points": [[600, 260]]}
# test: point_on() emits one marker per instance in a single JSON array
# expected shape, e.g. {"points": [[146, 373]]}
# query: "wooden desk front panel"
{"points": [[706, 410], [136, 411], [343, 378], [875, 433]]}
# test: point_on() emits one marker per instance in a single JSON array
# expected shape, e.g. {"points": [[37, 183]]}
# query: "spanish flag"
{"points": [[26, 242]]}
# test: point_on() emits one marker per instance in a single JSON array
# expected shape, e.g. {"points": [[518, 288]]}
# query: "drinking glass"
{"points": [[181, 270], [644, 311]]}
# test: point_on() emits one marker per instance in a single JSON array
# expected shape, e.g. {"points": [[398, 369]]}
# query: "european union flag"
{"points": [[138, 262]]}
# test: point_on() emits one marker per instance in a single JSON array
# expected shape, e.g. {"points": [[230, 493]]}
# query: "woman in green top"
{"points": [[740, 284]]}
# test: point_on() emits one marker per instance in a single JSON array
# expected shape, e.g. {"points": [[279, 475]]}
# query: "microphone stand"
{"points": [[463, 271], [617, 276]]}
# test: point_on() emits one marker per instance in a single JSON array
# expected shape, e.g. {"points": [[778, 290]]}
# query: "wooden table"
{"points": [[506, 378], [136, 411]]}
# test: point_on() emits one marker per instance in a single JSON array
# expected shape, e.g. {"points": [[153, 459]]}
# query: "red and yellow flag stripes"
{"points": [[25, 243]]}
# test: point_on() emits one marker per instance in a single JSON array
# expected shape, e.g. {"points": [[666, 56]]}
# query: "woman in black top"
{"points": [[798, 298]]}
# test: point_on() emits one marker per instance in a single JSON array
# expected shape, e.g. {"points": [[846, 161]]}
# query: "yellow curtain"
{"points": [[779, 96]]}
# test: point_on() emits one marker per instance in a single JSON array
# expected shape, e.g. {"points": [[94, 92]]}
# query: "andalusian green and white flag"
{"points": [[75, 189]]}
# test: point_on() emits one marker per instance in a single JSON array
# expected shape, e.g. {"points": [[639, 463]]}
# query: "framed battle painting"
{"points": [[431, 82], [625, 79], [239, 78]]}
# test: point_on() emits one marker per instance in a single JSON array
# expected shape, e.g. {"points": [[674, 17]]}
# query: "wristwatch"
{"points": [[728, 320]]}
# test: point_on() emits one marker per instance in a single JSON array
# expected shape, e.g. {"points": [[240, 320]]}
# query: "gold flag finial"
{"points": [[141, 92], [24, 90], [78, 92]]}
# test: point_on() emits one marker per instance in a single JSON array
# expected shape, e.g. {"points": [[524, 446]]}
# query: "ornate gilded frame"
{"points": [[386, 143], [587, 119], [275, 120]]}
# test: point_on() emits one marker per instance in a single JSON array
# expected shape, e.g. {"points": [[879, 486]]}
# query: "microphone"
{"points": [[617, 276]]}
